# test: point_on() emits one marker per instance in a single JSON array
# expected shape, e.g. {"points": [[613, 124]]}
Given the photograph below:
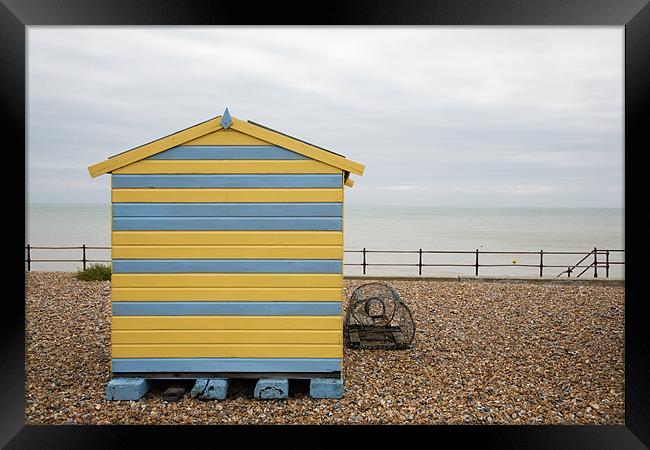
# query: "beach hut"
{"points": [[227, 258]]}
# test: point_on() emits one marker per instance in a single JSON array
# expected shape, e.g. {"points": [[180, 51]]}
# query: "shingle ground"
{"points": [[485, 352]]}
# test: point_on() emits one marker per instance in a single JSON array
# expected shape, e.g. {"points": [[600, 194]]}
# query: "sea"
{"points": [[400, 230]]}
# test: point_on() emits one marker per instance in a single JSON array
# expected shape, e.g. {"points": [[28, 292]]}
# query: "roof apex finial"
{"points": [[226, 120]]}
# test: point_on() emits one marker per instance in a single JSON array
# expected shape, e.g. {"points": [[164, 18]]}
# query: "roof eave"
{"points": [[298, 146], [155, 147], [212, 125]]}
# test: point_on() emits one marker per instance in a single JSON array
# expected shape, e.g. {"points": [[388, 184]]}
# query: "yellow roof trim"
{"points": [[212, 125], [298, 146], [157, 146]]}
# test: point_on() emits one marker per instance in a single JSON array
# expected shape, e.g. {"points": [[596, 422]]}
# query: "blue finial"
{"points": [[226, 121]]}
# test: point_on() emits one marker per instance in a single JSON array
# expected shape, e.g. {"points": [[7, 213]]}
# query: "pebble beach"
{"points": [[484, 353]]}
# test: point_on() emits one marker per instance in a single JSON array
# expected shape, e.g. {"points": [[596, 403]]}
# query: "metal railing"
{"points": [[594, 264], [84, 260], [476, 265]]}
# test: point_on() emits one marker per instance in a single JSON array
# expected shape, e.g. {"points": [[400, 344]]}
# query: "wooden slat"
{"points": [[154, 147], [238, 280], [226, 166], [226, 294], [228, 223], [225, 365], [299, 180], [236, 152], [226, 323], [227, 337], [227, 266], [227, 238], [169, 210], [225, 252], [226, 351], [226, 308], [227, 195]]}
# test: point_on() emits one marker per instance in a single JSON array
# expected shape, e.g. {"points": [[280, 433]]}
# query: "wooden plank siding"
{"points": [[228, 350], [227, 256], [227, 237], [227, 337], [251, 280], [226, 251], [146, 166], [226, 322], [228, 210], [226, 195], [225, 365], [208, 308], [227, 223], [226, 294], [237, 152], [228, 181], [227, 266]]}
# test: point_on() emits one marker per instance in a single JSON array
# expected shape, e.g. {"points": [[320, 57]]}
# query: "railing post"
{"points": [[420, 263], [83, 258], [29, 258], [541, 263], [476, 263], [364, 260], [607, 264], [595, 262]]}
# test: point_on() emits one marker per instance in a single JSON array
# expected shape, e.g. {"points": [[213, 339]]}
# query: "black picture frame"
{"points": [[16, 15]]}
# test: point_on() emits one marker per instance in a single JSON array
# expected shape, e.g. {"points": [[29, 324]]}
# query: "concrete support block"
{"points": [[326, 387], [127, 388], [210, 388], [270, 388]]}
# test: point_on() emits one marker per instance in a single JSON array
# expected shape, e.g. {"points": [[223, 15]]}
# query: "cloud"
{"points": [[501, 189], [421, 107], [400, 188]]}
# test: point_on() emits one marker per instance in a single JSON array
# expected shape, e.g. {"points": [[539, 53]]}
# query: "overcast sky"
{"points": [[444, 116]]}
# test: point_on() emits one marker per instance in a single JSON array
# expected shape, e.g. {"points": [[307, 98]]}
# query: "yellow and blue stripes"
{"points": [[224, 365], [187, 166], [227, 258], [227, 294], [227, 265], [270, 209], [232, 237], [227, 223], [227, 308], [300, 180], [236, 152], [225, 280], [228, 216]]}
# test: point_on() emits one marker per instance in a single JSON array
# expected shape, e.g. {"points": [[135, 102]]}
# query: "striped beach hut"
{"points": [[227, 259]]}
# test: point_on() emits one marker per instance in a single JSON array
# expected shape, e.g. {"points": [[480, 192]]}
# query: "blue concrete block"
{"points": [[210, 388], [326, 388], [269, 388], [127, 388]]}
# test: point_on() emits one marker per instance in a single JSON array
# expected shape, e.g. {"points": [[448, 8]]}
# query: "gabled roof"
{"points": [[223, 122]]}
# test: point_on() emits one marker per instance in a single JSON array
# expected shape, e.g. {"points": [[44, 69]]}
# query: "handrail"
{"points": [[594, 264]]}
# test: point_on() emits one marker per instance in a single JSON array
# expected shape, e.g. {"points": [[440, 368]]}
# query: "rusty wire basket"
{"points": [[378, 318]]}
